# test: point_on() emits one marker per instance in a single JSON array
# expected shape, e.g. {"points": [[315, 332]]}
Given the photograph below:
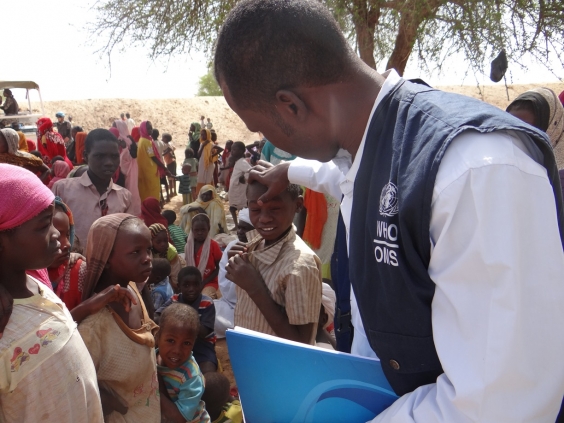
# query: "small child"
{"points": [[120, 338], [181, 381], [278, 277], [190, 285], [220, 405], [170, 160], [161, 291], [189, 178], [238, 184], [46, 368], [177, 235], [163, 249]]}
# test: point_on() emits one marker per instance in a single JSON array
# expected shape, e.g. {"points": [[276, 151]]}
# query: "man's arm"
{"points": [[497, 314]]}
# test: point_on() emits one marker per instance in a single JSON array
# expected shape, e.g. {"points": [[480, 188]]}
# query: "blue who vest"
{"points": [[389, 249]]}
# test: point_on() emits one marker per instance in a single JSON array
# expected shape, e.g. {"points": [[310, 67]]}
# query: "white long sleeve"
{"points": [[321, 177], [498, 309]]}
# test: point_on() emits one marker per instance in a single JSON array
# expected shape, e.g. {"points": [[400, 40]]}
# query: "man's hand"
{"points": [[274, 177], [242, 273], [6, 307]]}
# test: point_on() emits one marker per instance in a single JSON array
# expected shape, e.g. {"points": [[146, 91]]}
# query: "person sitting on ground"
{"points": [[59, 170], [22, 143], [177, 235], [238, 183], [10, 105], [541, 108], [40, 346], [9, 154], [118, 253], [190, 285], [162, 248], [220, 405], [181, 382], [204, 253], [278, 276], [64, 127], [170, 161], [159, 282], [324, 339], [225, 306], [208, 202], [151, 212], [49, 142], [94, 194], [189, 178]]}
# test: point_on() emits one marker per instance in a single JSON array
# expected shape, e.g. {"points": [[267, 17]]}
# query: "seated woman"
{"points": [[204, 253], [9, 154], [209, 203], [541, 108]]}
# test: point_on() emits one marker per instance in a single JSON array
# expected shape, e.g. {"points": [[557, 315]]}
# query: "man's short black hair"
{"points": [[170, 216], [166, 136], [98, 135], [155, 134], [268, 45], [77, 128], [127, 115], [161, 266]]}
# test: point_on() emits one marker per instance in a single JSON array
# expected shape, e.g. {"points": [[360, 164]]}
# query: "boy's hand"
{"points": [[6, 307], [242, 273], [238, 248]]}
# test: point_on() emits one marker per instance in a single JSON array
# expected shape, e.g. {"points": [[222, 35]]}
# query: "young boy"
{"points": [[181, 382], [189, 178], [176, 233], [238, 184], [278, 276], [170, 160], [161, 291], [190, 285]]}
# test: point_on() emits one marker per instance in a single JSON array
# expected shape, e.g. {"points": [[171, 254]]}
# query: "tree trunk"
{"points": [[365, 18]]}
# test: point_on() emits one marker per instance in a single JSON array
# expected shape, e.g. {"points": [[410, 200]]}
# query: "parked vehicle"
{"points": [[26, 118]]}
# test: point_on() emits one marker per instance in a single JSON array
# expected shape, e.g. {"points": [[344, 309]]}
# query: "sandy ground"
{"points": [[175, 115]]}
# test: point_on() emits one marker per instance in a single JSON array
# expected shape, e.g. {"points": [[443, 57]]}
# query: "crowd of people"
{"points": [[111, 305]]}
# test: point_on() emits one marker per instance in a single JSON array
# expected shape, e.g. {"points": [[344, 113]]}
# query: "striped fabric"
{"points": [[292, 273]]}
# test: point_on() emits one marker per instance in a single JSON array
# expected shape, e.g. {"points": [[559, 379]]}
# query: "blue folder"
{"points": [[287, 382]]}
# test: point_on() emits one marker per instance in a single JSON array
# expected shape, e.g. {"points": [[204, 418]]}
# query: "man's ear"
{"points": [[299, 204], [290, 105]]}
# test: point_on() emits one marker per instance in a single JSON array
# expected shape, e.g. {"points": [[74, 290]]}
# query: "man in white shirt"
{"points": [[496, 257], [130, 122]]}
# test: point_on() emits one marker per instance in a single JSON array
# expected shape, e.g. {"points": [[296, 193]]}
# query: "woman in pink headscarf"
{"points": [[128, 165], [61, 170]]}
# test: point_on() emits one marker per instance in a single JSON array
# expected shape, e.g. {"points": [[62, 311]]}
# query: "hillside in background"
{"points": [[176, 115]]}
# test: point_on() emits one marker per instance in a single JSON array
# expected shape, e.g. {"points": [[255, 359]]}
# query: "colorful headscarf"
{"points": [[561, 97], [196, 133], [157, 228], [151, 212], [16, 157], [61, 170], [171, 253], [45, 127], [24, 196], [136, 133], [99, 246], [207, 151], [143, 131], [115, 132]]}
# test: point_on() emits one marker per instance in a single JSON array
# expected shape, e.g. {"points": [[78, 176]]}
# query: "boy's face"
{"points": [[160, 242], [37, 237], [273, 219], [131, 255], [190, 287], [103, 159], [242, 229], [175, 344], [61, 223]]}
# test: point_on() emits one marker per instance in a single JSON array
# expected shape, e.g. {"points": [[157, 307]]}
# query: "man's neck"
{"points": [[100, 184]]}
